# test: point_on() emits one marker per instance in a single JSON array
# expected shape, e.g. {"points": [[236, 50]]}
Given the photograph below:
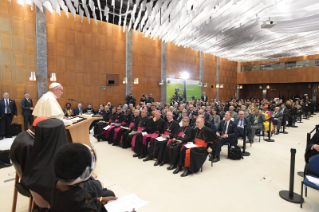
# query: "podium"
{"points": [[79, 131]]}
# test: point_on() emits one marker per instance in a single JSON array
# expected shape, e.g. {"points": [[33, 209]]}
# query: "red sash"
{"points": [[180, 134], [199, 143], [154, 135], [131, 126], [134, 137]]}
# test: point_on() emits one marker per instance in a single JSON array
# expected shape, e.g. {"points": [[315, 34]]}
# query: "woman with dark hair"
{"points": [[76, 189], [68, 110]]}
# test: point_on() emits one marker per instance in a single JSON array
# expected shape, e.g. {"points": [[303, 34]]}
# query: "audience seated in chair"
{"points": [[313, 147], [240, 122], [20, 153], [256, 122], [227, 131], [76, 189], [277, 119]]}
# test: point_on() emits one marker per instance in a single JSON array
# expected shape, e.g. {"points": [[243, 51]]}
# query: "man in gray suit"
{"points": [[257, 122], [278, 119], [233, 114]]}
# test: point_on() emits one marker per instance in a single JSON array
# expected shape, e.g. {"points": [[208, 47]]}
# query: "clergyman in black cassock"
{"points": [[119, 117], [173, 149], [157, 148], [137, 140], [123, 137], [194, 158], [128, 118], [157, 128]]}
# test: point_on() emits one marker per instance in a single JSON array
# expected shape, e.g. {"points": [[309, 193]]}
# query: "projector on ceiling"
{"points": [[268, 24]]}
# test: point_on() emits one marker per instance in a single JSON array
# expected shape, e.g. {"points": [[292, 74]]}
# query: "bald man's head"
{"points": [[199, 123]]}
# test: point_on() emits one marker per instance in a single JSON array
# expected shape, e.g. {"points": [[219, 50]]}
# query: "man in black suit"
{"points": [[204, 97], [27, 108], [8, 111], [227, 131], [240, 122], [150, 99]]}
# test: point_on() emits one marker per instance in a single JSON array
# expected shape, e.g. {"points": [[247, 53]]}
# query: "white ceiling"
{"points": [[226, 28]]}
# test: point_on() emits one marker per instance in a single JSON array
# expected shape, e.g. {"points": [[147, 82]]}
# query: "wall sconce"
{"points": [[221, 86], [260, 87], [241, 87], [217, 85], [168, 82], [32, 76], [205, 85], [309, 85], [53, 77], [124, 80], [161, 82], [135, 80], [267, 86], [200, 84]]}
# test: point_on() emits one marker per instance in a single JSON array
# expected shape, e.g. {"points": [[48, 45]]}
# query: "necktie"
{"points": [[241, 122], [7, 106], [224, 130]]}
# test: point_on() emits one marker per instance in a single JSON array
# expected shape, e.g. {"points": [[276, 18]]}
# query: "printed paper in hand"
{"points": [[161, 138], [144, 133], [126, 203], [107, 127], [124, 128], [132, 133], [190, 145]]}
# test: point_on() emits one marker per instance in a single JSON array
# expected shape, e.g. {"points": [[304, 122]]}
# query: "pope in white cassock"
{"points": [[48, 105]]}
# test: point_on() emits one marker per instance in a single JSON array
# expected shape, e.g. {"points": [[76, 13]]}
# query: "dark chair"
{"points": [[313, 171]]}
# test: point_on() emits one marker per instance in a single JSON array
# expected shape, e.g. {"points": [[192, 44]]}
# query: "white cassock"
{"points": [[49, 107]]}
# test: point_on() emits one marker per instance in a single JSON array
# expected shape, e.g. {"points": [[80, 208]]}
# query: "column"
{"points": [[217, 77], [129, 62], [264, 91], [314, 92], [163, 72], [201, 70], [41, 49]]}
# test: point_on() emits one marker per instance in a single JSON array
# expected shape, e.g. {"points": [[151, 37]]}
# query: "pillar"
{"points": [[163, 72], [129, 62]]}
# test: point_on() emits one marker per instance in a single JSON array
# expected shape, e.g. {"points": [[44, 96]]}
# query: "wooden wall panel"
{"points": [[77, 54], [279, 76], [146, 66], [228, 77], [210, 75], [181, 59], [17, 53]]}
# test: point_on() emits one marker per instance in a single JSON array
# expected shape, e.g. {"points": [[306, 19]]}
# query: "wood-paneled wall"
{"points": [[228, 77], [81, 54], [287, 90], [210, 75], [181, 59], [279, 76], [17, 52], [146, 66]]}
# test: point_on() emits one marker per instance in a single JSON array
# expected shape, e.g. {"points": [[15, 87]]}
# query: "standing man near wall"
{"points": [[27, 108], [8, 111]]}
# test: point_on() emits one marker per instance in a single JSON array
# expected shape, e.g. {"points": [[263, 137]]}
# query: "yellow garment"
{"points": [[266, 123], [49, 107]]}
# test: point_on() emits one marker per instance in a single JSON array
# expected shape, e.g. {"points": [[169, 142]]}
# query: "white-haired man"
{"points": [[48, 105]]}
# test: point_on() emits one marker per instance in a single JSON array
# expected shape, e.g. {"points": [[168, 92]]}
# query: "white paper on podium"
{"points": [[107, 127], [313, 179], [76, 119], [190, 145], [144, 133], [124, 127], [86, 114], [161, 138], [126, 203]]}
